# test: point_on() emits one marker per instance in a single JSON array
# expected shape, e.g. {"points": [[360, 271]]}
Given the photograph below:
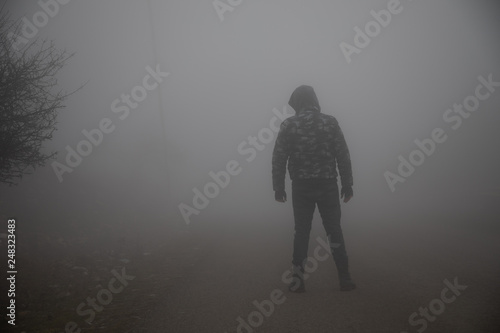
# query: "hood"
{"points": [[304, 98]]}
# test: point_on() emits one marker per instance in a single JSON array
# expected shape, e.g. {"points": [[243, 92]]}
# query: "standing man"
{"points": [[313, 145]]}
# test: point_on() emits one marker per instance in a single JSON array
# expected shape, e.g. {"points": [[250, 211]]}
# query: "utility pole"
{"points": [[169, 205]]}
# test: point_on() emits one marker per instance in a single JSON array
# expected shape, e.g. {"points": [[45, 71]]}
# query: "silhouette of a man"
{"points": [[313, 145]]}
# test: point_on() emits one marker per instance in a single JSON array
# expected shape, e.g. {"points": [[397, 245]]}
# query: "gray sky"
{"points": [[226, 77]]}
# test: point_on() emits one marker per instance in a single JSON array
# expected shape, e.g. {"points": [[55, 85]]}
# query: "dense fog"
{"points": [[187, 93], [226, 77]]}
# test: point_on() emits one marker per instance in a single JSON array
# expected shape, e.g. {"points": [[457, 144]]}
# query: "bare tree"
{"points": [[28, 102]]}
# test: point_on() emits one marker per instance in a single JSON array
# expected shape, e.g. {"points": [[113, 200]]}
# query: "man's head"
{"points": [[304, 98]]}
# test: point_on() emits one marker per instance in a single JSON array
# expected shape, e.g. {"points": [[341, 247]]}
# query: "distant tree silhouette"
{"points": [[28, 103]]}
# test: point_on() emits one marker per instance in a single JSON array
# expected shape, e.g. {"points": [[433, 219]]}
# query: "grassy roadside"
{"points": [[68, 269]]}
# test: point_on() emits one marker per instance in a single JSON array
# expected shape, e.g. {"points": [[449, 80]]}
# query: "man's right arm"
{"points": [[343, 160]]}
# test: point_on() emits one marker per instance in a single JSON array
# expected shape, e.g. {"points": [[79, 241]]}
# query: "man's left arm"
{"points": [[280, 158]]}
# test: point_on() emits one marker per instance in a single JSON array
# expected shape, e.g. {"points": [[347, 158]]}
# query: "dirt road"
{"points": [[411, 278]]}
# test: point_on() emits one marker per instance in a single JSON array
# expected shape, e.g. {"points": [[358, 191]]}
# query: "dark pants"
{"points": [[306, 194]]}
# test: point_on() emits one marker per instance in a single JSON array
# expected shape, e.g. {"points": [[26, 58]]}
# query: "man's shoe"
{"points": [[297, 285], [347, 285]]}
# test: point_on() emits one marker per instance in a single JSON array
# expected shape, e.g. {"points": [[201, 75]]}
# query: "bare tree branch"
{"points": [[29, 102]]}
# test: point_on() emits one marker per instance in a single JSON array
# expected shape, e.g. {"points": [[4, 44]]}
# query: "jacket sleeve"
{"points": [[280, 158], [343, 158]]}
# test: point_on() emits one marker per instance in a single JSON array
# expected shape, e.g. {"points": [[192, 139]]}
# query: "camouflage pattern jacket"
{"points": [[313, 145]]}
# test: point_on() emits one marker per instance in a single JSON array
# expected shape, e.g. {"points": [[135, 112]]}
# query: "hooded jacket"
{"points": [[311, 142]]}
